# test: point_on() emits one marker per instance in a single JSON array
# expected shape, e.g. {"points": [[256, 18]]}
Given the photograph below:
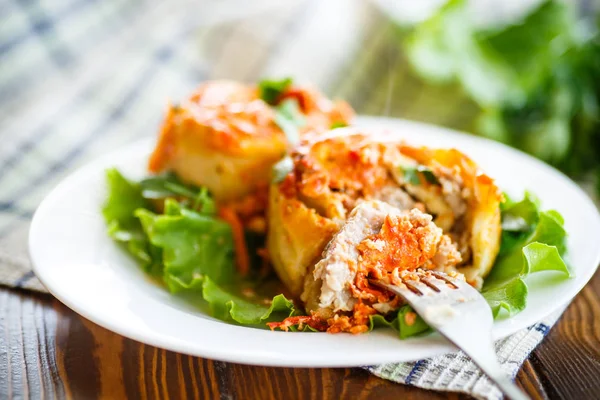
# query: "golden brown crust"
{"points": [[334, 173], [483, 205], [296, 237], [225, 137]]}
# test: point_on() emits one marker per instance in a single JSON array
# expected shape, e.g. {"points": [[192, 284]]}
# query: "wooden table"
{"points": [[48, 350]]}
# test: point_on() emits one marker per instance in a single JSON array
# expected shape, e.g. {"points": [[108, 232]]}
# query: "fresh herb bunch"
{"points": [[536, 81]]}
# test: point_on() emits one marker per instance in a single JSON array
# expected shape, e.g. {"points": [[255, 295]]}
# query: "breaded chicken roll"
{"points": [[319, 201], [226, 137]]}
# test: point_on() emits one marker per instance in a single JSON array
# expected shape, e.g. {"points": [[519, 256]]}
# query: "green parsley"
{"points": [[412, 175], [270, 90], [289, 118], [338, 124]]}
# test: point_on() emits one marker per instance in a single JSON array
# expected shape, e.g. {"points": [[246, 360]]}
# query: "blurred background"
{"points": [[79, 78]]}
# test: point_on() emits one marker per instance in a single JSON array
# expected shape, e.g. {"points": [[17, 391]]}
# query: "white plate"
{"points": [[83, 268]]}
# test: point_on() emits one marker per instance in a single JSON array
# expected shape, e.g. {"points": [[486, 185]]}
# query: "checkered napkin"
{"points": [[79, 78]]}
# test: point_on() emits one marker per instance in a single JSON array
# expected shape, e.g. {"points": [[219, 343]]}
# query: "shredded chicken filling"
{"points": [[404, 241]]}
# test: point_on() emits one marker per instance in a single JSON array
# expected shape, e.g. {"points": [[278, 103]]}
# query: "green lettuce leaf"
{"points": [[399, 323], [518, 222], [548, 230], [532, 241], [305, 328], [193, 245], [229, 307], [124, 197], [542, 257], [190, 248], [527, 209], [406, 330], [510, 293], [169, 186], [510, 296], [379, 321]]}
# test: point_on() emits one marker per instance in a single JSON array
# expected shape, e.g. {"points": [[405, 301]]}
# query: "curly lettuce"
{"points": [[193, 245], [185, 244], [230, 307], [124, 198], [532, 241], [173, 231], [406, 322]]}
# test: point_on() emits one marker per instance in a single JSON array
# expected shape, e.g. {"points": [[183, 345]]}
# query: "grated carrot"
{"points": [[299, 321], [242, 258]]}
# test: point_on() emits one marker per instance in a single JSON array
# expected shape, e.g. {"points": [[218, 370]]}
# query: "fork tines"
{"points": [[422, 281]]}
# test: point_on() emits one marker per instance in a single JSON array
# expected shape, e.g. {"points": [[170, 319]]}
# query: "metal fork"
{"points": [[460, 313]]}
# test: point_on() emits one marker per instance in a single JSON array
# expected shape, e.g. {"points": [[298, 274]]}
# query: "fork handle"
{"points": [[485, 358], [508, 387]]}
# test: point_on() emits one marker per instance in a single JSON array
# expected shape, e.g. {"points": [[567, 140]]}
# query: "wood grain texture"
{"points": [[47, 351], [569, 358]]}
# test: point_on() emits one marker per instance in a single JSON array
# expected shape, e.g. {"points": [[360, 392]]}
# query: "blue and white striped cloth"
{"points": [[79, 78]]}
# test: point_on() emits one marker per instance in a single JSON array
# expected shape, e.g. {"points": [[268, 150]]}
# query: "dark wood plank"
{"points": [[48, 351], [568, 361], [529, 380], [28, 366]]}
